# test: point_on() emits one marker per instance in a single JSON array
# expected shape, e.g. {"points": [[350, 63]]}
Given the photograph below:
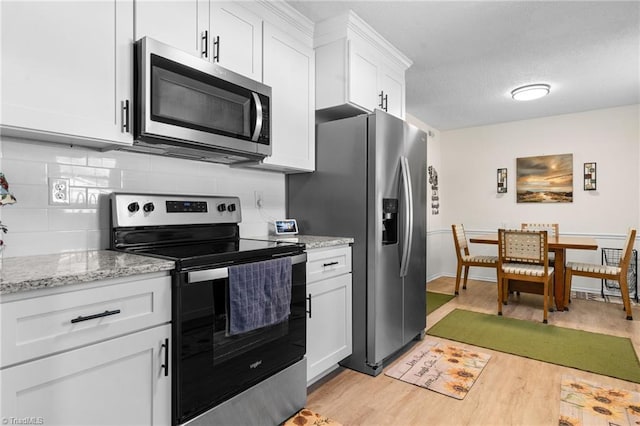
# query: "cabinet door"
{"points": [[116, 382], [329, 327], [289, 69], [66, 68], [172, 22], [392, 86], [363, 77], [237, 34]]}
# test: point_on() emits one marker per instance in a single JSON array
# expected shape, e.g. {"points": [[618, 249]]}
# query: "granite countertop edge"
{"points": [[19, 274], [310, 241], [26, 273]]}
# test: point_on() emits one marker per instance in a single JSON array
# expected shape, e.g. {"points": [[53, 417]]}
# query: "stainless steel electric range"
{"points": [[253, 373]]}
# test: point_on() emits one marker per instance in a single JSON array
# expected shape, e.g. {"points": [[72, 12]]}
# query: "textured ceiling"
{"points": [[468, 56]]}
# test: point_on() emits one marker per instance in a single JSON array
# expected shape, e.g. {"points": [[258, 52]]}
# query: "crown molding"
{"points": [[285, 12]]}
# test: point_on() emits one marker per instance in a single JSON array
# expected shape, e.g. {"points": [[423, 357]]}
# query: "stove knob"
{"points": [[133, 207], [231, 207], [148, 207], [221, 207]]}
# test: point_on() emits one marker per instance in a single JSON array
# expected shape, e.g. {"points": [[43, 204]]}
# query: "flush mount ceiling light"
{"points": [[529, 92]]}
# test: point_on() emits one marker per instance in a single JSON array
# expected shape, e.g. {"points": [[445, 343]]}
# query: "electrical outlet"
{"points": [[259, 199], [58, 191]]}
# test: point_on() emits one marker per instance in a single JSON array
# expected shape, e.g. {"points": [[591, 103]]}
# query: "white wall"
{"points": [[470, 158], [35, 227], [435, 223]]}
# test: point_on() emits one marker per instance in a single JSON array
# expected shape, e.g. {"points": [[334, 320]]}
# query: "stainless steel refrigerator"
{"points": [[370, 184]]}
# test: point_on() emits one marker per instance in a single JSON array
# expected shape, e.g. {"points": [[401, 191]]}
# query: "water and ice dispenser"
{"points": [[389, 221]]}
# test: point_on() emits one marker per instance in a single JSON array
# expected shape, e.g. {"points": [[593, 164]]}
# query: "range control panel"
{"points": [[137, 209]]}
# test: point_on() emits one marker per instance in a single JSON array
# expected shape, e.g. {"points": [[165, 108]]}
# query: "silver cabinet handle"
{"points": [[165, 366], [124, 116], [309, 299], [216, 49], [204, 52]]}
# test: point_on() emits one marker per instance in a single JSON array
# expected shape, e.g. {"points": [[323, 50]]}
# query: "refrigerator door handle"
{"points": [[408, 222]]}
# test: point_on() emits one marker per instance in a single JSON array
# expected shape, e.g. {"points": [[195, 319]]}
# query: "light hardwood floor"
{"points": [[510, 391]]}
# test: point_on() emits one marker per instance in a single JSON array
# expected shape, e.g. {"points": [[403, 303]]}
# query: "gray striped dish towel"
{"points": [[259, 294]]}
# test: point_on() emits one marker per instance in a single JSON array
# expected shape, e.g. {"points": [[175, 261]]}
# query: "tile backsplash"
{"points": [[37, 227]]}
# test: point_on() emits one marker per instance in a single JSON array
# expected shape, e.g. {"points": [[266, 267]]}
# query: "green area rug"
{"points": [[594, 352], [435, 300]]}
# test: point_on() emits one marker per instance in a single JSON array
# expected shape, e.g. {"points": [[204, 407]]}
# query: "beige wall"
{"points": [[470, 158]]}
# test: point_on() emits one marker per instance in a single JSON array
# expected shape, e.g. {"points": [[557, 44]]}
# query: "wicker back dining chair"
{"points": [[553, 230], [467, 260], [524, 256], [605, 272]]}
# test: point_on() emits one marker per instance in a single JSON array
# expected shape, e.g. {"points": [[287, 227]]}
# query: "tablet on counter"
{"points": [[286, 227]]}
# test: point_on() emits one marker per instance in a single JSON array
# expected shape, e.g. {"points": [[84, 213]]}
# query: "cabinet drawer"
{"points": [[328, 262], [48, 324]]}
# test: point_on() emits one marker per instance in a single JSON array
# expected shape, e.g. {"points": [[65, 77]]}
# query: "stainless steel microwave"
{"points": [[187, 107]]}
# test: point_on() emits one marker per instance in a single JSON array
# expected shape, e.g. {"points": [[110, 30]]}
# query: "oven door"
{"points": [[212, 366]]}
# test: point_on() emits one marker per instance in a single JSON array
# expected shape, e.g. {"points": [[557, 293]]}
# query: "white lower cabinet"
{"points": [[329, 319], [118, 382], [87, 357]]}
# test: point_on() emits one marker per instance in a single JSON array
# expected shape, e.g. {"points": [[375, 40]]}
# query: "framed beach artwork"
{"points": [[545, 179]]}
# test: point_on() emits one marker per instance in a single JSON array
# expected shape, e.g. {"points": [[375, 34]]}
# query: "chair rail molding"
{"points": [[441, 256]]}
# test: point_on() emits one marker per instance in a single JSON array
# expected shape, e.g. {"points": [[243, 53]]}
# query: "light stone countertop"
{"points": [[310, 241], [25, 273], [45, 271]]}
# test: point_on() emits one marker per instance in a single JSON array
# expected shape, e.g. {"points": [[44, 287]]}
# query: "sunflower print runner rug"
{"points": [[306, 417], [440, 367], [588, 403]]}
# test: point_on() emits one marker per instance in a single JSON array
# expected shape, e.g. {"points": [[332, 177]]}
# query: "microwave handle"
{"points": [[258, 128]]}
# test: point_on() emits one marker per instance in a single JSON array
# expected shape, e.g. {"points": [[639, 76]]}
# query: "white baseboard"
{"points": [[486, 279]]}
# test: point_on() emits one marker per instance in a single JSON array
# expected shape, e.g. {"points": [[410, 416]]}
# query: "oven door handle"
{"points": [[220, 273], [207, 275], [295, 259], [299, 258]]}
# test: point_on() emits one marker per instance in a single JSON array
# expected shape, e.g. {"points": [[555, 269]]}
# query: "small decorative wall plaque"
{"points": [[435, 199], [590, 181], [502, 181]]}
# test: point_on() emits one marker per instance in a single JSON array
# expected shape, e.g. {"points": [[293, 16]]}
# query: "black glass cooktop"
{"points": [[212, 254]]}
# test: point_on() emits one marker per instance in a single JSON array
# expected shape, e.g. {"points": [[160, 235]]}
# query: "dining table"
{"points": [[558, 244]]}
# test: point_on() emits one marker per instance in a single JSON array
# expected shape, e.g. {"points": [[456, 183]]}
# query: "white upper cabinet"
{"points": [[221, 32], [392, 87], [357, 70], [67, 71], [362, 77], [171, 22], [235, 40], [289, 68]]}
